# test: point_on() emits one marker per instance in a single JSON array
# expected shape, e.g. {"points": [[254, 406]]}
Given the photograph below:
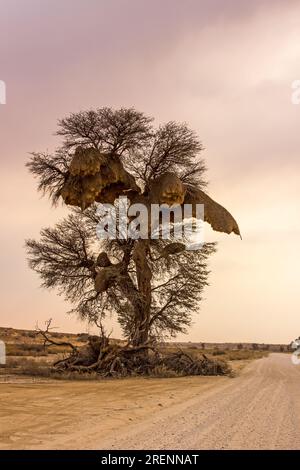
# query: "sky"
{"points": [[226, 68]]}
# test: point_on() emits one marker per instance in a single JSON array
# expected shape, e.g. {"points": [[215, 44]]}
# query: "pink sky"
{"points": [[224, 67]]}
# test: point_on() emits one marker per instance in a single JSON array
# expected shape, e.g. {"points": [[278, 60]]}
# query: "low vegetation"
{"points": [[27, 354]]}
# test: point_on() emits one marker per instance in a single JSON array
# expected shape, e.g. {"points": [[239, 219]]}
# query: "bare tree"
{"points": [[153, 286]]}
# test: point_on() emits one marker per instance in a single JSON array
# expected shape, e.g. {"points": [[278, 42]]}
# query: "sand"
{"points": [[259, 409]]}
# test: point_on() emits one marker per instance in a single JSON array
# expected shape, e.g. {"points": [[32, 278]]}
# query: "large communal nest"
{"points": [[95, 176], [109, 359]]}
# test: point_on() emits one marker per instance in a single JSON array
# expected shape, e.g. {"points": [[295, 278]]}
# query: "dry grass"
{"points": [[27, 355], [244, 355], [28, 343], [39, 367]]}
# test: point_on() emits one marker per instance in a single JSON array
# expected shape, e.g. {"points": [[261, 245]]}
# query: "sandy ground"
{"points": [[259, 409]]}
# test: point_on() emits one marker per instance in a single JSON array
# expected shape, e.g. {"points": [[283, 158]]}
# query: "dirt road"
{"points": [[260, 409]]}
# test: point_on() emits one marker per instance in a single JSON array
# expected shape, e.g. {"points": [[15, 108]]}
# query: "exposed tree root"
{"points": [[112, 360]]}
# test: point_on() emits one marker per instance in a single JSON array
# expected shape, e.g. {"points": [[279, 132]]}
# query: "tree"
{"points": [[153, 285]]}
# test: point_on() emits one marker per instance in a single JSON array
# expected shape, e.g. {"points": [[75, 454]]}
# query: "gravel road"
{"points": [[260, 409]]}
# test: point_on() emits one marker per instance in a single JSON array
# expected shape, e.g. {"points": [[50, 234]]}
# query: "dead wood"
{"points": [[49, 341], [108, 359]]}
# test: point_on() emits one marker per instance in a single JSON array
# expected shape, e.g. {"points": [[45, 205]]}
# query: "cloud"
{"points": [[225, 68]]}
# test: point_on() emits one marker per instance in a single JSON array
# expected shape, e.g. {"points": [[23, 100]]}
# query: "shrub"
{"points": [[218, 352]]}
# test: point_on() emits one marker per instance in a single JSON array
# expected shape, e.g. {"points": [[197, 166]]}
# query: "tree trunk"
{"points": [[142, 310]]}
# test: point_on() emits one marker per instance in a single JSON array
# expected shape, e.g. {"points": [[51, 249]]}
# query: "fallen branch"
{"points": [[49, 341], [113, 360]]}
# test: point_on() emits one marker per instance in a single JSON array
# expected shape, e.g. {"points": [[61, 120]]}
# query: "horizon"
{"points": [[170, 340]]}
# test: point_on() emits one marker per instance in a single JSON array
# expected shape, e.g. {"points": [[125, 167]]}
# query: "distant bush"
{"points": [[244, 354], [56, 334], [218, 352], [34, 349], [83, 336], [24, 349], [30, 334]]}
